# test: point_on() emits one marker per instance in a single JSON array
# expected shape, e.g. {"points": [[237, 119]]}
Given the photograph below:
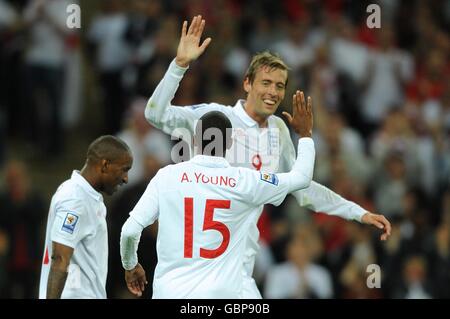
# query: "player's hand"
{"points": [[378, 221], [301, 119], [136, 280], [189, 48]]}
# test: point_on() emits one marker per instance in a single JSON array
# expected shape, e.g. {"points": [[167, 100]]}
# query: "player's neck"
{"points": [[217, 154], [261, 120], [88, 175]]}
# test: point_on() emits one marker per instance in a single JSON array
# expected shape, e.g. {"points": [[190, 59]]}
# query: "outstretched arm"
{"points": [[318, 197], [159, 111], [321, 199]]}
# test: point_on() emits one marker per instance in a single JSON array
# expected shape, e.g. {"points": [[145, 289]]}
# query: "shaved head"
{"points": [[108, 148]]}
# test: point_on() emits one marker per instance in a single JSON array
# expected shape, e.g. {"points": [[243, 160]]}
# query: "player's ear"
{"points": [[104, 164], [247, 85]]}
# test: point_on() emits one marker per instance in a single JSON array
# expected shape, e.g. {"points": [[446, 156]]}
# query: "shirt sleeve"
{"points": [[321, 199], [129, 242], [317, 197], [273, 188], [178, 121], [71, 223], [146, 210]]}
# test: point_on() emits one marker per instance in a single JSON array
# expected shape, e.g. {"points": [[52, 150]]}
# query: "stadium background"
{"points": [[382, 122]]}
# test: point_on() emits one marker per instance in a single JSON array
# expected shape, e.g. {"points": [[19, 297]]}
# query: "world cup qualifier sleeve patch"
{"points": [[69, 223], [270, 178]]}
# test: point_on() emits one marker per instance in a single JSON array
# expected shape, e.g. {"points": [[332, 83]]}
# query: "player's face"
{"points": [[266, 92], [116, 173]]}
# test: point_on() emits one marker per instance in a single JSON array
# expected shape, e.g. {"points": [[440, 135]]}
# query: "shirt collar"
{"points": [[210, 161], [243, 115], [80, 180]]}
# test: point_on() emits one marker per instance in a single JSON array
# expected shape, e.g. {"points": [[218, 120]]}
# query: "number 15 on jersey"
{"points": [[208, 224]]}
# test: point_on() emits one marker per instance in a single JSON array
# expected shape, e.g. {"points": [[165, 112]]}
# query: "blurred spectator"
{"points": [[296, 50], [414, 283], [440, 273], [45, 21], [107, 37], [391, 186], [72, 96], [298, 277], [388, 71], [8, 21], [143, 23], [357, 254], [143, 140], [337, 141], [22, 211]]}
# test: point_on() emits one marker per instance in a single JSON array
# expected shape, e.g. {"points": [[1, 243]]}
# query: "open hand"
{"points": [[189, 48], [301, 119]]}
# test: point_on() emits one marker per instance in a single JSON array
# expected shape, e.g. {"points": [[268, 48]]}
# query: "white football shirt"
{"points": [[205, 209], [267, 149], [77, 218]]}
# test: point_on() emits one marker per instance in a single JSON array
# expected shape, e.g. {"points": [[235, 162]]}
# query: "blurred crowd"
{"points": [[381, 102]]}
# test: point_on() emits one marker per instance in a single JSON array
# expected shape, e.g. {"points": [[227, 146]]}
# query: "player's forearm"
{"points": [[321, 199], [129, 242], [164, 94], [302, 171], [56, 279]]}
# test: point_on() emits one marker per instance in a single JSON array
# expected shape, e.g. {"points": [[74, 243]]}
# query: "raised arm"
{"points": [[189, 48], [159, 111], [301, 122], [273, 188]]}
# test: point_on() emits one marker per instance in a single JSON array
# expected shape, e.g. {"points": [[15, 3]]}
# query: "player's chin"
{"points": [[112, 190], [270, 109]]}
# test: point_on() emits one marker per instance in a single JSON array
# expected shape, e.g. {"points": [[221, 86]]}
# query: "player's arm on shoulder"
{"points": [[60, 260]]}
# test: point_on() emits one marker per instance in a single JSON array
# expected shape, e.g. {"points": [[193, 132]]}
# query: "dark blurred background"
{"points": [[382, 124]]}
